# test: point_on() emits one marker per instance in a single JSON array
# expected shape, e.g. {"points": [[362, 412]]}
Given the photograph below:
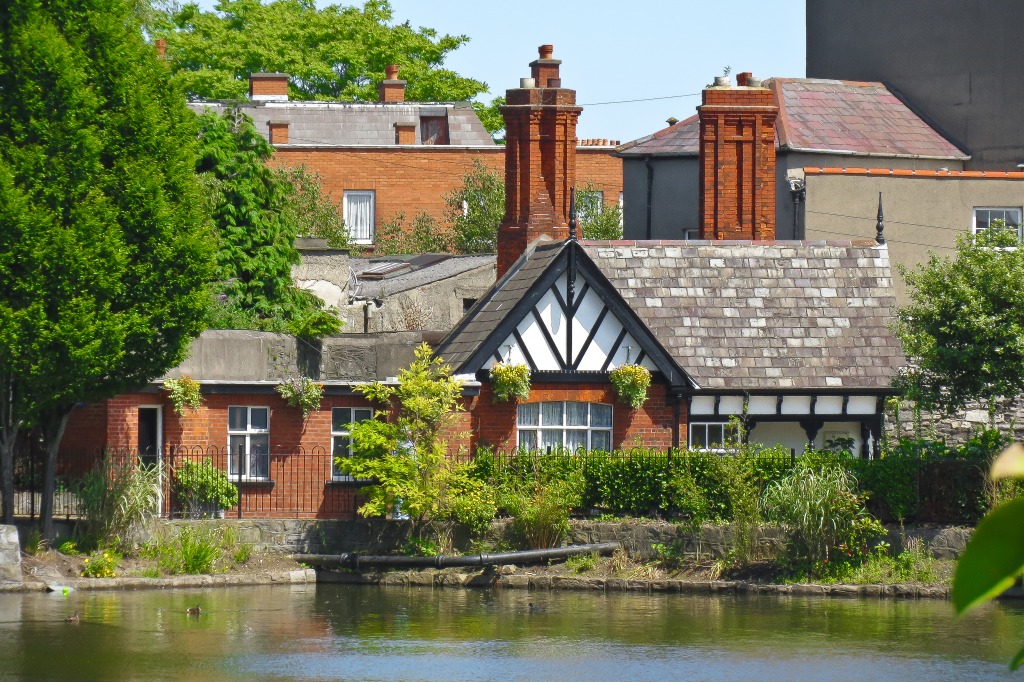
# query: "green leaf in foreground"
{"points": [[993, 558]]}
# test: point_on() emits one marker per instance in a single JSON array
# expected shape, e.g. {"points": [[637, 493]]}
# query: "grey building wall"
{"points": [[956, 62], [675, 200], [922, 215]]}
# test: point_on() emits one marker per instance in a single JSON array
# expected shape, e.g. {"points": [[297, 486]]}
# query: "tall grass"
{"points": [[118, 496]]}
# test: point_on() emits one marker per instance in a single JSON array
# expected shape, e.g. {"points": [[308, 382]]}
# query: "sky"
{"points": [[614, 51]]}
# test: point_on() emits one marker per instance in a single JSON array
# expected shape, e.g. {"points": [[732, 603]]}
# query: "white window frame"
{"points": [[341, 441], [691, 234], [249, 440], [974, 217], [538, 430], [346, 211], [706, 427]]}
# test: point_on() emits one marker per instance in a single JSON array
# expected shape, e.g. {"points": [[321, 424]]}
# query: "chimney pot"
{"points": [[161, 47], [392, 71], [527, 83], [554, 82], [546, 51], [721, 81], [754, 82], [671, 120], [743, 78]]}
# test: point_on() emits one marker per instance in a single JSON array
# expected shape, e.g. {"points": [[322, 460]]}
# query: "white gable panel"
{"points": [[602, 344], [585, 319], [537, 346], [554, 320], [510, 352], [629, 351]]}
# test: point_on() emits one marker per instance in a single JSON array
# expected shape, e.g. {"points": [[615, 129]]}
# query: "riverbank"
{"points": [[50, 571]]}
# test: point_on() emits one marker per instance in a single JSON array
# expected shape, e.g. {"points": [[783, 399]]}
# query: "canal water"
{"points": [[335, 632]]}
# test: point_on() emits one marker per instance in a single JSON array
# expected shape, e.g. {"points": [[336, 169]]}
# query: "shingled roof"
{"points": [[734, 315], [819, 115], [338, 124]]}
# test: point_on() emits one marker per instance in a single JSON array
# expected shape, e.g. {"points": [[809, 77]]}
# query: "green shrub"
{"points": [[203, 488], [540, 509], [69, 548], [828, 525], [200, 549], [101, 564]]}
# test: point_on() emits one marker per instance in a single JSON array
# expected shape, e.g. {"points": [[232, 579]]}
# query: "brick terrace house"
{"points": [[839, 146], [789, 336], [393, 156]]}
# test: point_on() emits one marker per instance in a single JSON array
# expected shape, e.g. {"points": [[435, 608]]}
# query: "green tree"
{"points": [[475, 210], [405, 451], [963, 330], [255, 209], [333, 53], [421, 235], [105, 251], [597, 219], [313, 212]]}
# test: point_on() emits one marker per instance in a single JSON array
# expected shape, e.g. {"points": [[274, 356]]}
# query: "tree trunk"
{"points": [[10, 425], [53, 431]]}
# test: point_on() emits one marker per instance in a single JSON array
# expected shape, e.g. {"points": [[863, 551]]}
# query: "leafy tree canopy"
{"points": [[105, 251], [256, 210], [331, 53], [964, 328]]}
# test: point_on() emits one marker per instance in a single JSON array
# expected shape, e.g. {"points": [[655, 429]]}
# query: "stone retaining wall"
{"points": [[378, 536]]}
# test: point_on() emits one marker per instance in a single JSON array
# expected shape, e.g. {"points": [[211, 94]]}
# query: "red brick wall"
{"points": [[415, 178], [737, 163], [651, 426]]}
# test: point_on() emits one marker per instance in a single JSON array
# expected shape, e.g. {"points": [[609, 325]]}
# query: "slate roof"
{"points": [[736, 315], [336, 124], [820, 115], [423, 269]]}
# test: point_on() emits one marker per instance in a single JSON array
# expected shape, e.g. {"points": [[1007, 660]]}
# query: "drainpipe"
{"points": [[798, 190], [650, 194]]}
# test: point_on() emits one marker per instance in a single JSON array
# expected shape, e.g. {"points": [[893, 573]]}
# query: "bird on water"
{"points": [[74, 620], [194, 610]]}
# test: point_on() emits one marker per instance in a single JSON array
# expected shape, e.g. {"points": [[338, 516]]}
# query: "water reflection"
{"points": [[361, 633]]}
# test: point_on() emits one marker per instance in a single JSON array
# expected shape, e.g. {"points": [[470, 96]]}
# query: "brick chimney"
{"points": [[268, 87], [737, 160], [391, 90], [540, 159]]}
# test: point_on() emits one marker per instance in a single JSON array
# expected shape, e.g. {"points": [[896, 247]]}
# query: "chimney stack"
{"points": [[737, 160], [391, 90], [268, 87], [540, 159]]}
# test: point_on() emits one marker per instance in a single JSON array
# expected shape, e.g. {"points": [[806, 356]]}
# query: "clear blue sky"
{"points": [[622, 50]]}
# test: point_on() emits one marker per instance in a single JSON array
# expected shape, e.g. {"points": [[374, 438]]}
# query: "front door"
{"points": [[149, 435]]}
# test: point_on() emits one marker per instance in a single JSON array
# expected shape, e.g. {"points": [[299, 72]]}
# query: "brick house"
{"points": [[392, 156], [791, 337]]}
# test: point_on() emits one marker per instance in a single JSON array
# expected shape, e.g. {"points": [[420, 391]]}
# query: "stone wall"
{"points": [[903, 420], [10, 555], [378, 536]]}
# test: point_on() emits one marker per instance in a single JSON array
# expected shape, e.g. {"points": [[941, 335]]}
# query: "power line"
{"points": [[644, 99], [887, 220], [887, 239]]}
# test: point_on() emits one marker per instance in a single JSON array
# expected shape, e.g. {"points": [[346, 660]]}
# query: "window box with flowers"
{"points": [[510, 382], [631, 383]]}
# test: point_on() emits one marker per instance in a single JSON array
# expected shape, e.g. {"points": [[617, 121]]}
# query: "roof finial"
{"points": [[572, 213], [880, 226]]}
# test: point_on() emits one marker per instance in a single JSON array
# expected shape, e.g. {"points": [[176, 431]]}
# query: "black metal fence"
{"points": [[276, 484]]}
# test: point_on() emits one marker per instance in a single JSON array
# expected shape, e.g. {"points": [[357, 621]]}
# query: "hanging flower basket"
{"points": [[510, 382], [184, 394], [302, 392], [631, 383]]}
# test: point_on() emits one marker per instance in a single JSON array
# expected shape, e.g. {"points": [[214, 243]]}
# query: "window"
{"points": [[715, 436], [691, 233], [984, 217], [358, 214], [341, 443], [434, 130], [544, 426], [249, 442]]}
